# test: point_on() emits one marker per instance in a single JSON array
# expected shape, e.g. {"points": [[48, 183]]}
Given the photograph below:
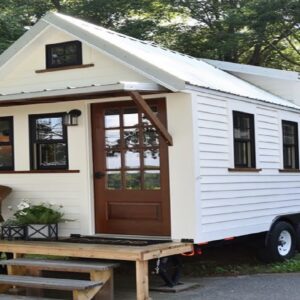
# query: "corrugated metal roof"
{"points": [[168, 68], [189, 69]]}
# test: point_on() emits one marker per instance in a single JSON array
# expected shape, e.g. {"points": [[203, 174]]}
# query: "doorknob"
{"points": [[99, 175]]}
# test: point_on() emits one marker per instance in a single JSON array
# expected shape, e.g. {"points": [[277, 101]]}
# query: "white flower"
{"points": [[23, 213], [23, 205]]}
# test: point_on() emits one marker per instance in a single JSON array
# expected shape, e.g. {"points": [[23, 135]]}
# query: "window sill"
{"points": [[289, 171], [39, 171], [253, 170], [64, 68]]}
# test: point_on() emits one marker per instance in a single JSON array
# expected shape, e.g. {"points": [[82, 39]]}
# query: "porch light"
{"points": [[71, 118]]}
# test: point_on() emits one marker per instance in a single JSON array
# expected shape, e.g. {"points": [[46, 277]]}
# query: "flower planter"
{"points": [[41, 231], [13, 232]]}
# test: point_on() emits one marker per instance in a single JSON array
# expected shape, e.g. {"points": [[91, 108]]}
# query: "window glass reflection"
{"points": [[113, 159], [152, 180], [151, 158], [113, 180], [4, 131], [52, 155], [112, 118], [133, 180], [49, 128], [112, 138], [131, 137], [132, 159], [131, 117], [6, 156], [151, 137]]}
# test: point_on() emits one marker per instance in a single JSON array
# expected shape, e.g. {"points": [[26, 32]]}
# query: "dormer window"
{"points": [[63, 54]]}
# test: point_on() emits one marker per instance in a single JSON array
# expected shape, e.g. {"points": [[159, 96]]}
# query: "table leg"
{"points": [[142, 280]]}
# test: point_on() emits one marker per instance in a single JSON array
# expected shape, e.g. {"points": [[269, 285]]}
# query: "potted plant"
{"points": [[40, 220], [12, 229]]}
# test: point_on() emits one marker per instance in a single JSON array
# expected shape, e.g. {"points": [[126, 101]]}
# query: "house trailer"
{"points": [[135, 139]]}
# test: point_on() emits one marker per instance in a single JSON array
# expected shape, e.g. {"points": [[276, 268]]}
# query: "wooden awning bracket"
{"points": [[146, 109]]}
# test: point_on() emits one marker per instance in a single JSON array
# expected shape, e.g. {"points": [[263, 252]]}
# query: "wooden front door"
{"points": [[131, 170]]}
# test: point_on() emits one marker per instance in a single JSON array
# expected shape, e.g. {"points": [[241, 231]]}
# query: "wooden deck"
{"points": [[140, 254]]}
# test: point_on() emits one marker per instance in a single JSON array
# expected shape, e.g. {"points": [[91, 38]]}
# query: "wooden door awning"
{"points": [[146, 109]]}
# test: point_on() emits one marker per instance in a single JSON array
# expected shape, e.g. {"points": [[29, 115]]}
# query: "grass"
{"points": [[233, 261]]}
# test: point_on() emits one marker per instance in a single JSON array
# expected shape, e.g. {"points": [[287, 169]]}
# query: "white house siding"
{"points": [[19, 74], [239, 203], [182, 166], [72, 190]]}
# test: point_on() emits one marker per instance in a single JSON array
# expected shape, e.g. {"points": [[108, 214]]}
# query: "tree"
{"points": [[257, 32]]}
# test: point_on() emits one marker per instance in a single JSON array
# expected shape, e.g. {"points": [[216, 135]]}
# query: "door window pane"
{"points": [[133, 180], [131, 117], [151, 137], [112, 138], [113, 180], [152, 180], [132, 159], [131, 137], [151, 158], [112, 118], [113, 159]]}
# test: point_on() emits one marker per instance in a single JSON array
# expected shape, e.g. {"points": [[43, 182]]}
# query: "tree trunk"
{"points": [[255, 59], [57, 4]]}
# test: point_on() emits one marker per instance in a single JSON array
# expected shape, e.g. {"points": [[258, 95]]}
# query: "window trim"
{"points": [[10, 119], [252, 139], [79, 59], [32, 140], [296, 145]]}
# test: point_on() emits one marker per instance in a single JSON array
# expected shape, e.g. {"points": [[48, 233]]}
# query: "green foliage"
{"points": [[257, 32], [39, 214]]}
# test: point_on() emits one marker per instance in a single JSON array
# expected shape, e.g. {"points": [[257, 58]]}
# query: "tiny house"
{"points": [[134, 139]]}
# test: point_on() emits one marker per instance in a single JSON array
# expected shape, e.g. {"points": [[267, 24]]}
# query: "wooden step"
{"points": [[57, 265], [49, 283], [17, 297]]}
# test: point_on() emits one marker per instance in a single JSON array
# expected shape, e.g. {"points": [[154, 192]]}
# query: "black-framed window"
{"points": [[6, 143], [48, 142], [290, 145], [244, 140], [63, 54]]}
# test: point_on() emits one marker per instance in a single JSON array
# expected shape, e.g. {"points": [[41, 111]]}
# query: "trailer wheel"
{"points": [[281, 242], [298, 237]]}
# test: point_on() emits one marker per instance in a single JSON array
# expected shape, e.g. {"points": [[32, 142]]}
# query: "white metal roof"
{"points": [[285, 84], [83, 90], [168, 68]]}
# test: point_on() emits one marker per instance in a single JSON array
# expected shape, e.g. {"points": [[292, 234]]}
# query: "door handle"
{"points": [[99, 175]]}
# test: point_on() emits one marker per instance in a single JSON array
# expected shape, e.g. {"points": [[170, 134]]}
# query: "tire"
{"points": [[298, 237], [281, 243]]}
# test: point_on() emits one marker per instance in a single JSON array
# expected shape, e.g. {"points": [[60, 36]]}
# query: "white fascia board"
{"points": [[115, 87], [22, 42], [254, 70], [192, 88], [141, 66]]}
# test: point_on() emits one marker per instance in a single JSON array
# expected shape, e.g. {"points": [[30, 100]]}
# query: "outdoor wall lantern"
{"points": [[71, 118]]}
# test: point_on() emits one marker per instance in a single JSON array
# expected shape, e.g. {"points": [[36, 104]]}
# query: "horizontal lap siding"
{"points": [[233, 204], [57, 189]]}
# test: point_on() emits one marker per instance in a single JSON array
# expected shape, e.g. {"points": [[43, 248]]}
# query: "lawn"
{"points": [[234, 260]]}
